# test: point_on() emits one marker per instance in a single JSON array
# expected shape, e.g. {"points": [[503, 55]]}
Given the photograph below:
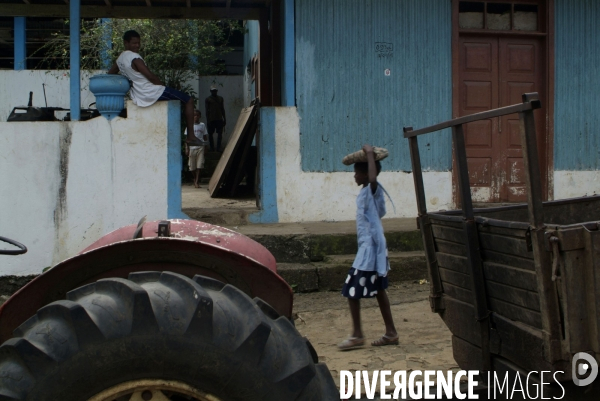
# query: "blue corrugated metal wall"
{"points": [[577, 85], [343, 97]]}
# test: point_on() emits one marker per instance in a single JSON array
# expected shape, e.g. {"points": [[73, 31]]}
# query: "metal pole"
{"points": [[75, 53], [20, 44]]}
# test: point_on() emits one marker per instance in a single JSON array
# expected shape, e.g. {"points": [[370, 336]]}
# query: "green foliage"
{"points": [[175, 50]]}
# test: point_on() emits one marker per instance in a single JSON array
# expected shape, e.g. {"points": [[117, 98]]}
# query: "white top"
{"points": [[199, 132], [143, 92]]}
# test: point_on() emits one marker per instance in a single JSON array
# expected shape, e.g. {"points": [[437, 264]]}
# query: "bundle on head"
{"points": [[361, 157]]}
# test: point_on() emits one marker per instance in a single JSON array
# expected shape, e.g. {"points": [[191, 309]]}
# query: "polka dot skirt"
{"points": [[363, 284]]}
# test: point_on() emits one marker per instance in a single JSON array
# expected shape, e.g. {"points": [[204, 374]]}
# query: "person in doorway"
{"points": [[215, 117], [195, 153], [368, 275], [146, 87]]}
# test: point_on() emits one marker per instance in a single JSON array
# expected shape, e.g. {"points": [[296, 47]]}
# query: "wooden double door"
{"points": [[494, 71]]}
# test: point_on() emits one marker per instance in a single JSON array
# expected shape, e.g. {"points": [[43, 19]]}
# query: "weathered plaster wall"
{"points": [[66, 184], [231, 89], [572, 184], [307, 196]]}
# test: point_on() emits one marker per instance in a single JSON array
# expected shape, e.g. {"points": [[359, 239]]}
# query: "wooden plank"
{"points": [[520, 343], [452, 262], [507, 260], [579, 302], [512, 276], [235, 141], [507, 245], [466, 355], [455, 278], [62, 11], [450, 248], [592, 271], [242, 158], [460, 294], [514, 312], [436, 288], [546, 287], [505, 231], [415, 158], [449, 234], [458, 316], [474, 117], [516, 296], [453, 221]]}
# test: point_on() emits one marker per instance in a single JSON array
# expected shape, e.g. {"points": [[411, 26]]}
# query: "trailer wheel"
{"points": [[160, 336]]}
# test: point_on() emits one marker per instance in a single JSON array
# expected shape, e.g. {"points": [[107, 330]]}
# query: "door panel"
{"points": [[521, 71], [494, 72], [479, 92]]}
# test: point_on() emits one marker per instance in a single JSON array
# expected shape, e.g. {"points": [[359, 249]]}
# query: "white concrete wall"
{"points": [[16, 86], [231, 89], [572, 184], [303, 196], [66, 184]]}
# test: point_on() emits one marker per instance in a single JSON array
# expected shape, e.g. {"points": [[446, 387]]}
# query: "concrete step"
{"points": [[313, 241], [330, 274], [220, 216]]}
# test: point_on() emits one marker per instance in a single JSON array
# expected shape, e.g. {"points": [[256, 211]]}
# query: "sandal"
{"points": [[385, 340], [351, 343]]}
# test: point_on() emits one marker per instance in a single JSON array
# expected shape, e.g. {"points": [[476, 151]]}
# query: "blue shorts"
{"points": [[174, 94]]}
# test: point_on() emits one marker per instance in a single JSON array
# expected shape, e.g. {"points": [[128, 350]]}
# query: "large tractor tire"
{"points": [[160, 336]]}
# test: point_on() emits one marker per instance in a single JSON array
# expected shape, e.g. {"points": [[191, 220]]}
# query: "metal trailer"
{"points": [[165, 310], [518, 286]]}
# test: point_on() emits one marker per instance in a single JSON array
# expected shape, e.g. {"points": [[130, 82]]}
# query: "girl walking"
{"points": [[367, 277]]}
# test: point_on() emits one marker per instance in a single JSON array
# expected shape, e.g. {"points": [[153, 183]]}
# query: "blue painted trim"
{"points": [[288, 77], [107, 39], [75, 54], [267, 184], [20, 44], [174, 161]]}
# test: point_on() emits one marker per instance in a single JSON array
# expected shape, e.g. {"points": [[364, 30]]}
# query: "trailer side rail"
{"points": [[546, 287]]}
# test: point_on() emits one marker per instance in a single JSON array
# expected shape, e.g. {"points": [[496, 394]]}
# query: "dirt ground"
{"points": [[324, 318], [425, 342]]}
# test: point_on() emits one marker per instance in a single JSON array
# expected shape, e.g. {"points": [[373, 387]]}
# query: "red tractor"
{"points": [[169, 310]]}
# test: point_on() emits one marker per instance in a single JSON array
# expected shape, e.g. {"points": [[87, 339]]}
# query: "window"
{"points": [[498, 16]]}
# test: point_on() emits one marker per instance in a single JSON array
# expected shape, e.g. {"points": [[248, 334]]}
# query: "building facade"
{"points": [[363, 70]]}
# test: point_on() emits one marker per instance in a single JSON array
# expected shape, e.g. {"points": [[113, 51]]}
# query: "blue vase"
{"points": [[110, 91]]}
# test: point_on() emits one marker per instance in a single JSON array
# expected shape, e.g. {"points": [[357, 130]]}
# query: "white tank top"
{"points": [[143, 92]]}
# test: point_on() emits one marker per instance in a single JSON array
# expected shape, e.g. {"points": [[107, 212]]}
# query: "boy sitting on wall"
{"points": [[147, 88]]}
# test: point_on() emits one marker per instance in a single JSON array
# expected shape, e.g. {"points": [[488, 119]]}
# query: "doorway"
{"points": [[500, 52]]}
